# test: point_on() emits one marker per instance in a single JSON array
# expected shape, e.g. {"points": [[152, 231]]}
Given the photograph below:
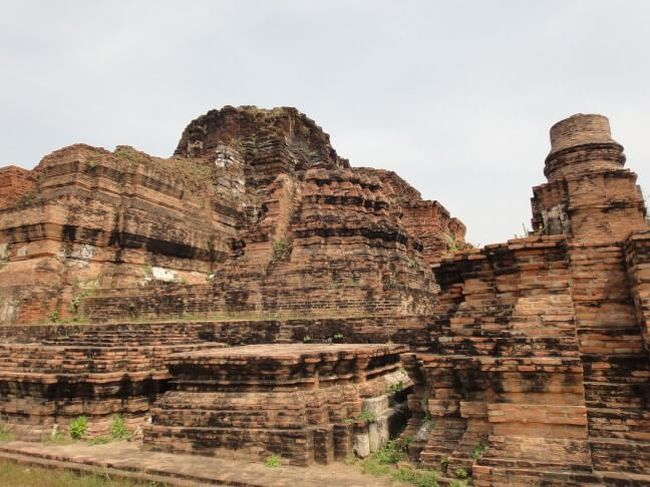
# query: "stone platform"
{"points": [[127, 461], [305, 402], [49, 383]]}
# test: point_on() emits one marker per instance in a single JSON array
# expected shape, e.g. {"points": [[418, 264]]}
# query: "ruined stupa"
{"points": [[256, 294]]}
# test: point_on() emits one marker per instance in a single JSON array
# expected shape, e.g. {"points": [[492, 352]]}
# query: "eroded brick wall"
{"points": [[538, 359], [255, 202], [14, 183], [637, 253]]}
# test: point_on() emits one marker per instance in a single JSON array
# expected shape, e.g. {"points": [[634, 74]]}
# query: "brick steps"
{"points": [[258, 400], [63, 359], [295, 444], [624, 479], [491, 344], [514, 476], [476, 434], [613, 455], [443, 441], [533, 465], [90, 372]]}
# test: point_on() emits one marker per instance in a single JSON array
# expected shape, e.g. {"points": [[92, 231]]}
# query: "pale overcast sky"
{"points": [[456, 96]]}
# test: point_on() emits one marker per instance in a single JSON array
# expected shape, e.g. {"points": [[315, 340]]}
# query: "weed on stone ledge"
{"points": [[478, 450], [461, 473], [368, 416], [119, 431], [5, 433], [395, 388], [272, 462], [54, 316], [78, 427], [281, 251]]}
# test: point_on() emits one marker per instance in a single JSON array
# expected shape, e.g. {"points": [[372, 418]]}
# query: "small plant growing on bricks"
{"points": [[368, 416], [461, 473], [281, 250], [54, 316], [395, 388], [119, 431], [5, 432], [478, 450], [387, 462], [273, 461], [78, 427]]}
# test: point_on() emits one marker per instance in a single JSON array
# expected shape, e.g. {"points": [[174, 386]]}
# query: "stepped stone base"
{"points": [[307, 403], [47, 384]]}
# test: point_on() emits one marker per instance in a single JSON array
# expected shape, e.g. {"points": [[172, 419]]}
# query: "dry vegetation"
{"points": [[15, 475]]}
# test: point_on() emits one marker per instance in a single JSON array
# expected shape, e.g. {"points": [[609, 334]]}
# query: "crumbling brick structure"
{"points": [[255, 209], [305, 402], [538, 369], [528, 360], [15, 182], [97, 374]]}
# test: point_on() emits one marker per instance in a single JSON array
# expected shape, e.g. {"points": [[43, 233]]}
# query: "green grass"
{"points": [[273, 461], [78, 427], [372, 466], [58, 438], [281, 251], [395, 388], [100, 440], [478, 450], [367, 415], [387, 462], [5, 433], [417, 477], [391, 453], [15, 475], [119, 431], [461, 473]]}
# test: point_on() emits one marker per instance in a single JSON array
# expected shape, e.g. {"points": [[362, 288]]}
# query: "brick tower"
{"points": [[589, 195]]}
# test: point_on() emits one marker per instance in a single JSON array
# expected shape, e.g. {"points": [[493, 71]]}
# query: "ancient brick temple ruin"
{"points": [[254, 294]]}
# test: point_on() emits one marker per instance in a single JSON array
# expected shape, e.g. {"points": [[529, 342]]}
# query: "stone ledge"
{"points": [[126, 460]]}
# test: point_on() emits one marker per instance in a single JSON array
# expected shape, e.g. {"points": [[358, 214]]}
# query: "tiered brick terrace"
{"points": [[302, 401], [247, 294]]}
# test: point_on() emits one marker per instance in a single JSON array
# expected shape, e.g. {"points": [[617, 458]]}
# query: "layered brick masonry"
{"points": [[96, 374], [14, 182], [303, 401], [538, 370], [529, 359], [254, 202]]}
